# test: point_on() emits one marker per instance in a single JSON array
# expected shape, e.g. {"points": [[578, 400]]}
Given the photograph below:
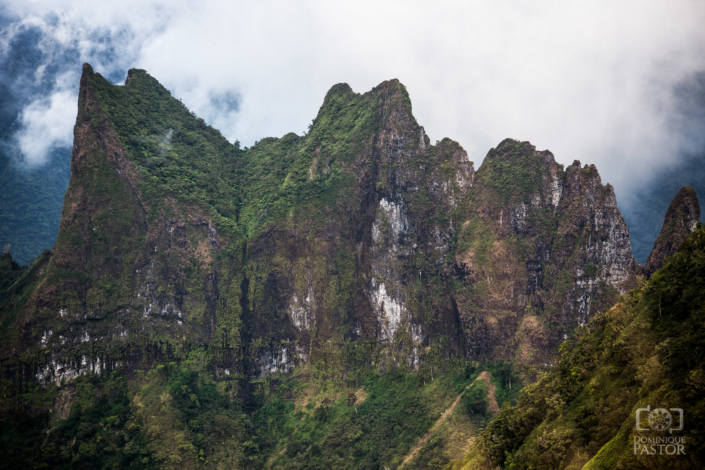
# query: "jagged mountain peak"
{"points": [[358, 230], [390, 88], [386, 105], [686, 205], [138, 74], [681, 220], [386, 87], [509, 148], [516, 173]]}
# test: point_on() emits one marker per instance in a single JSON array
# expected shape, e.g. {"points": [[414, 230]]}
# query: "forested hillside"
{"points": [[646, 351]]}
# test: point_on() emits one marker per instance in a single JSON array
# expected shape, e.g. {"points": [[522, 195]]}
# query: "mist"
{"points": [[616, 84]]}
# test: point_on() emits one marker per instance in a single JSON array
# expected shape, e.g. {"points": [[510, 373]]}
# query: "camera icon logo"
{"points": [[658, 419]]}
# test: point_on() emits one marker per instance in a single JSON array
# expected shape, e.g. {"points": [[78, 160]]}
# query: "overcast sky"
{"points": [[604, 82]]}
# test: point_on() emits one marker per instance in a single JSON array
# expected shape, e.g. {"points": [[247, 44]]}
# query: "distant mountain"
{"points": [[645, 208], [681, 219]]}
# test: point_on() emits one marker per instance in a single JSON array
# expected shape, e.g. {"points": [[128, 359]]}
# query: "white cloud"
{"points": [[589, 80], [46, 123]]}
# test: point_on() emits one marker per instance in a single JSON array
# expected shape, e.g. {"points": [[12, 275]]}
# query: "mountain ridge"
{"points": [[361, 147], [357, 255]]}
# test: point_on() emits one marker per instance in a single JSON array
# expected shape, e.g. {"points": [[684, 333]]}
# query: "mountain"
{"points": [[541, 247], [644, 209], [360, 231], [314, 300], [632, 365], [680, 221]]}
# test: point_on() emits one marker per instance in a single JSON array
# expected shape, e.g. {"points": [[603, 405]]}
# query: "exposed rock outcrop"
{"points": [[681, 220], [358, 245], [582, 413], [542, 247]]}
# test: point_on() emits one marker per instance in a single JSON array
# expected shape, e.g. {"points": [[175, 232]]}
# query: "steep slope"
{"points": [[681, 219], [116, 283], [644, 353], [201, 293], [540, 249], [359, 233], [171, 237]]}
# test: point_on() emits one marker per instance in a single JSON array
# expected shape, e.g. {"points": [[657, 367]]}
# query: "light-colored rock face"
{"points": [[606, 243], [465, 172], [556, 190], [390, 231], [402, 232], [389, 310], [58, 372], [391, 222], [300, 310], [602, 255], [279, 360], [387, 290]]}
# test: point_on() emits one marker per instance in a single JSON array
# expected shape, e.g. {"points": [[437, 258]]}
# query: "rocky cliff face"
{"points": [[643, 352], [681, 220], [540, 249], [357, 245]]}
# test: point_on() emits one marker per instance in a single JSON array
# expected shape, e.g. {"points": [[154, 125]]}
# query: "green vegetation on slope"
{"points": [[16, 285], [179, 416], [176, 152], [645, 351], [223, 328], [514, 171]]}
